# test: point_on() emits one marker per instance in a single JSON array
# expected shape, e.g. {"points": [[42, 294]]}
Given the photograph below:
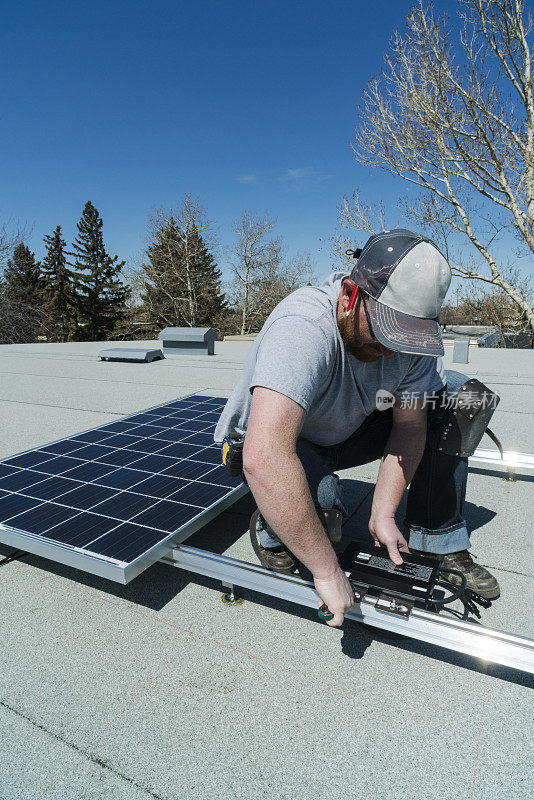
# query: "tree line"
{"points": [[83, 293], [451, 115], [60, 299]]}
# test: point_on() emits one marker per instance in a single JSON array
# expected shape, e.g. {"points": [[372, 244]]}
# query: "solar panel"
{"points": [[114, 499]]}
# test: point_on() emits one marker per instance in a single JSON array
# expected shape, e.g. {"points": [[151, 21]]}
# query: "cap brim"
{"points": [[404, 333]]}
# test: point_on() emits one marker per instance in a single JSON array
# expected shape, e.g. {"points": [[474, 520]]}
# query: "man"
{"points": [[325, 359]]}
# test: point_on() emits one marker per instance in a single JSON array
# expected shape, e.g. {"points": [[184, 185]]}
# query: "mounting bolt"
{"points": [[230, 598]]}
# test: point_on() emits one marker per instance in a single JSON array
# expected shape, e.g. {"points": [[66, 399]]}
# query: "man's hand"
{"points": [[401, 456], [336, 592], [386, 532]]}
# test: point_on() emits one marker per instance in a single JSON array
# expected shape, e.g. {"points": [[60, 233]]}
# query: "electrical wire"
{"points": [[457, 591]]}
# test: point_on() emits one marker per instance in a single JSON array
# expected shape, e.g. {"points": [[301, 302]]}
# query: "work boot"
{"points": [[277, 559], [479, 579]]}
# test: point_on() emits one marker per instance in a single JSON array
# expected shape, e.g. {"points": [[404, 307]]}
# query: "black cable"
{"points": [[13, 556], [456, 594]]}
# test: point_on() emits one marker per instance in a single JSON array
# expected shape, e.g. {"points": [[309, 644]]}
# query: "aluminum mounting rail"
{"points": [[487, 644], [512, 463]]}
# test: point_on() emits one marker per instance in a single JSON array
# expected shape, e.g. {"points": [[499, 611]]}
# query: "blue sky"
{"points": [[129, 104]]}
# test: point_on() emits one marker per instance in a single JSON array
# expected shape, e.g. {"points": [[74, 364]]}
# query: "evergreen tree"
{"points": [[163, 292], [22, 277], [59, 292], [182, 281], [210, 299], [101, 294]]}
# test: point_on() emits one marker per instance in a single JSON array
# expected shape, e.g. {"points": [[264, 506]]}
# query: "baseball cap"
{"points": [[406, 278]]}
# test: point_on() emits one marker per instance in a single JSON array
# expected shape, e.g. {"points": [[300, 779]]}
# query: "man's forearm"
{"points": [[284, 500], [401, 458]]}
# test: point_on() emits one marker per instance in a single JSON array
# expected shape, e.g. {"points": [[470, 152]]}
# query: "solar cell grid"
{"points": [[149, 445], [52, 487], [86, 496], [20, 479], [91, 436], [187, 469], [13, 504], [209, 417], [81, 530], [119, 427], [122, 478], [62, 448], [27, 459], [89, 471], [143, 418], [220, 476], [59, 464], [6, 470], [165, 515], [199, 493], [180, 450], [171, 435], [204, 439], [125, 541], [146, 430], [122, 440], [160, 485], [42, 517], [120, 457], [91, 452], [118, 491]]}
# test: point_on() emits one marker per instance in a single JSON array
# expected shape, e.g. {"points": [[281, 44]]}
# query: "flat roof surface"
{"points": [[158, 690]]}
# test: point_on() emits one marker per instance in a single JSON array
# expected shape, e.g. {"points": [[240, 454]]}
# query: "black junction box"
{"points": [[372, 568]]}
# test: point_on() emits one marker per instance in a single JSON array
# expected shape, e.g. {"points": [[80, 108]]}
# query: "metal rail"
{"points": [[487, 644], [513, 463]]}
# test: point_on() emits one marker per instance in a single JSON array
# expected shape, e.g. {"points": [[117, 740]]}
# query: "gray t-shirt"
{"points": [[299, 353]]}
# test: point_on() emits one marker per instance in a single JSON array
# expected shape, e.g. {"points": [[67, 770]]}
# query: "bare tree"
{"points": [[354, 214], [133, 275], [491, 305], [255, 256], [262, 275], [277, 283], [19, 321], [454, 116], [11, 235]]}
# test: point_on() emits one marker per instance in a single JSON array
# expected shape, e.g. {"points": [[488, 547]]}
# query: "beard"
{"points": [[355, 343]]}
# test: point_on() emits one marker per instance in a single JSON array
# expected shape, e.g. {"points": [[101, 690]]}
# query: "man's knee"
{"points": [[329, 493], [454, 380]]}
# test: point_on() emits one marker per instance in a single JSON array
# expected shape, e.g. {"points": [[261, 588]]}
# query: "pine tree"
{"points": [[182, 281], [101, 294], [210, 299], [22, 277], [59, 292], [163, 291]]}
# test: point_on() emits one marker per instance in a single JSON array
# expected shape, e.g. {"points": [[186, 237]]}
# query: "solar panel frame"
{"points": [[158, 541]]}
